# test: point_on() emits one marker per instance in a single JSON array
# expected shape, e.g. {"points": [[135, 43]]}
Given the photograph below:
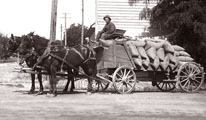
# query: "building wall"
{"points": [[123, 15]]}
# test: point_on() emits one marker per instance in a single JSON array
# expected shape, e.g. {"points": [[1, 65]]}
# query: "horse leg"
{"points": [[72, 84], [54, 80], [31, 91], [69, 78], [41, 88]]}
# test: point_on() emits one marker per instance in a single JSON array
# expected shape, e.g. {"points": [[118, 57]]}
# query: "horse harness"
{"points": [[91, 56]]}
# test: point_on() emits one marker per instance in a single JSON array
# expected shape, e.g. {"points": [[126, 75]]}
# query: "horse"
{"points": [[39, 44], [30, 59], [72, 58], [66, 59]]}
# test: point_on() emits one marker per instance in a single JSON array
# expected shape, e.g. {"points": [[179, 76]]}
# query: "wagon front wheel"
{"points": [[191, 77], [124, 80], [101, 86]]}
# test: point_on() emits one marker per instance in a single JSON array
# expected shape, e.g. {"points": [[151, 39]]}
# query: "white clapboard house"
{"points": [[124, 15]]}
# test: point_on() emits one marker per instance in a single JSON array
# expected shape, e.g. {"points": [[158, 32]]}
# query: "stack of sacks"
{"points": [[137, 50], [181, 55], [157, 54]]}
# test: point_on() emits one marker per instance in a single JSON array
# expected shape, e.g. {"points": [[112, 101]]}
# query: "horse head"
{"points": [[13, 43], [26, 44]]}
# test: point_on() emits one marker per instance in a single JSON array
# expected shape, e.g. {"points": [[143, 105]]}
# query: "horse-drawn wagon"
{"points": [[122, 67], [124, 63]]}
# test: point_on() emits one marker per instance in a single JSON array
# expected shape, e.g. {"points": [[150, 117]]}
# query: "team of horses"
{"points": [[37, 51]]}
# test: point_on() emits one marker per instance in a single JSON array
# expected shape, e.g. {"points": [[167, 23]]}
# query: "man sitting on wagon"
{"points": [[108, 30]]}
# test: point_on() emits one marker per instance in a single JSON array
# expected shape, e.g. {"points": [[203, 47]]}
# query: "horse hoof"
{"points": [[51, 95], [64, 91], [39, 93], [88, 93], [31, 92]]}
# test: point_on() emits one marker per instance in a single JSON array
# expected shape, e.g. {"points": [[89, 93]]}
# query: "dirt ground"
{"points": [[15, 103]]}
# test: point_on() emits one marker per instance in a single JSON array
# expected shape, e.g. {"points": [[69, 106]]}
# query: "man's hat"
{"points": [[107, 16]]}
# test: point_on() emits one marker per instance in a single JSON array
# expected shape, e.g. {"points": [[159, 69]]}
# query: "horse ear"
{"points": [[12, 36]]}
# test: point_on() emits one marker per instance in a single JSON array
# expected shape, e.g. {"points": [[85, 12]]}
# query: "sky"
{"points": [[20, 17]]}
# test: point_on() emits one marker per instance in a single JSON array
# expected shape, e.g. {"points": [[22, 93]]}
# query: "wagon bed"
{"points": [[117, 64]]}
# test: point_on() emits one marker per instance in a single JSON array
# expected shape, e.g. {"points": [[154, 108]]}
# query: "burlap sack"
{"points": [[183, 53], [168, 47], [142, 52], [151, 53], [161, 54], [154, 44], [138, 62], [133, 50], [155, 64], [172, 58], [178, 48], [137, 43], [185, 59], [165, 63], [146, 62]]}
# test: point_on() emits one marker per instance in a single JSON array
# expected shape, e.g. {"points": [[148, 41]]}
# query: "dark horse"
{"points": [[38, 44], [66, 59], [30, 59]]}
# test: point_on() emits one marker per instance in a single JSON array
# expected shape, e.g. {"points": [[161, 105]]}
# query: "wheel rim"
{"points": [[124, 80], [191, 77]]}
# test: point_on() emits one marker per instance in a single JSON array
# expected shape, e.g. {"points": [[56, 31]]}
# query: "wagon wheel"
{"points": [[165, 86], [190, 77], [101, 86], [124, 80], [168, 84]]}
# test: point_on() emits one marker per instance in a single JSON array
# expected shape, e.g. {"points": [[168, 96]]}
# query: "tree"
{"points": [[74, 34], [3, 46], [183, 22]]}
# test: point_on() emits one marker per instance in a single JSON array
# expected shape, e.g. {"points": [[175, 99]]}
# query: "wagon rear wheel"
{"points": [[124, 80], [168, 83], [190, 76]]}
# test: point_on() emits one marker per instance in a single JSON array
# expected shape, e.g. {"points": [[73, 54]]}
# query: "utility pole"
{"points": [[82, 35], [65, 28], [53, 21], [61, 27]]}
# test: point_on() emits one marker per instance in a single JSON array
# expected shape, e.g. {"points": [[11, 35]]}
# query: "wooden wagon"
{"points": [[117, 67]]}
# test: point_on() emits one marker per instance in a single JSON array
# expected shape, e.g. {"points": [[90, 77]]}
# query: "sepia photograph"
{"points": [[102, 60]]}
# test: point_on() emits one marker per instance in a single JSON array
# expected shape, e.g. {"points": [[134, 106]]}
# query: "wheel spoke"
{"points": [[124, 72], [120, 75], [163, 84], [186, 83], [197, 81], [128, 73], [187, 71], [184, 73], [195, 70], [184, 80]]}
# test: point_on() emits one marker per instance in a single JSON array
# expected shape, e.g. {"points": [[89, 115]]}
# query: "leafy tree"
{"points": [[184, 23], [3, 46], [74, 34]]}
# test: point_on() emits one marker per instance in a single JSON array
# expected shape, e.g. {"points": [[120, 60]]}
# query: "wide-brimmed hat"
{"points": [[107, 16]]}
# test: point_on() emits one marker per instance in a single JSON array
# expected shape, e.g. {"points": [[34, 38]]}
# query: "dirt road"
{"points": [[15, 104]]}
